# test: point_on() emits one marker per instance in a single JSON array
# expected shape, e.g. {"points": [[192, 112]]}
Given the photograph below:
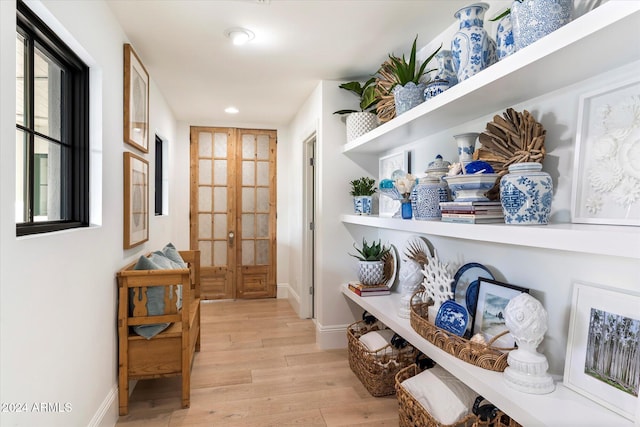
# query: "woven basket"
{"points": [[413, 414], [376, 369], [484, 356]]}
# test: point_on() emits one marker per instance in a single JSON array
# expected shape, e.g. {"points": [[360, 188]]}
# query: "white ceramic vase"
{"points": [[371, 272], [360, 123]]}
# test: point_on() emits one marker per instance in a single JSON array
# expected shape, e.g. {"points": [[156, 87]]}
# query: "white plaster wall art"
{"points": [[606, 181]]}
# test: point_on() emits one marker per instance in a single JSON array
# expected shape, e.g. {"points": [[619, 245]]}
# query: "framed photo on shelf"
{"points": [[386, 166], [603, 360], [136, 200], [136, 101], [488, 319], [606, 178]]}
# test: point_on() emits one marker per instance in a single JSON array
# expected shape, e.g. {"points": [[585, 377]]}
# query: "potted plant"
{"points": [[371, 262], [409, 84], [362, 189], [361, 121]]}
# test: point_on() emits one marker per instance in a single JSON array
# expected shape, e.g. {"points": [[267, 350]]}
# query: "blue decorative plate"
{"points": [[467, 277], [452, 317]]}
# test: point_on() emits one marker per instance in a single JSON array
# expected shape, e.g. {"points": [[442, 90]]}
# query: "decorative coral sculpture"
{"points": [[437, 280]]}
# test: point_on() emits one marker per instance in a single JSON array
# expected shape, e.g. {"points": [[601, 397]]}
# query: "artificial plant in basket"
{"points": [[361, 121], [371, 265], [362, 190]]}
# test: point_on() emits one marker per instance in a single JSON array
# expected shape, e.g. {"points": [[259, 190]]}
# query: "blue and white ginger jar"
{"points": [[526, 194], [534, 19], [471, 47], [429, 192]]}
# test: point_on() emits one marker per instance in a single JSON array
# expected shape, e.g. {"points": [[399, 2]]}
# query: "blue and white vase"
{"points": [[446, 70], [408, 96], [526, 194], [505, 44], [534, 19], [362, 205], [472, 48], [466, 143]]}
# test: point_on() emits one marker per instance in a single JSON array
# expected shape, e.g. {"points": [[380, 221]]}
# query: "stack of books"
{"points": [[368, 291], [472, 212]]}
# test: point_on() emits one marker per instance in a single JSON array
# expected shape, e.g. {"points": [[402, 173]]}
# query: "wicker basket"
{"points": [[376, 369], [413, 414], [484, 356]]}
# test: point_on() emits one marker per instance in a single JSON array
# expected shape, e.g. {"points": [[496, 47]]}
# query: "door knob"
{"points": [[231, 237]]}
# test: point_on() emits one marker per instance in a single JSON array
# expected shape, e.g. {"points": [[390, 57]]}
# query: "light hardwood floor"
{"points": [[259, 366]]}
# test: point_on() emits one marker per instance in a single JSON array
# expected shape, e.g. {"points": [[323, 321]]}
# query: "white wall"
{"points": [[58, 290]]}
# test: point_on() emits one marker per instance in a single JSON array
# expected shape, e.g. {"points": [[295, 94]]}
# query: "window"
{"points": [[158, 176], [52, 130]]}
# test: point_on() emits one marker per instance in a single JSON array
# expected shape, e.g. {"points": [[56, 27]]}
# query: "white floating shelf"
{"points": [[562, 407], [601, 40], [619, 241]]}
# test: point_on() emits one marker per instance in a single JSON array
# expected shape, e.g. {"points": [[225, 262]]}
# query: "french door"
{"points": [[233, 211]]}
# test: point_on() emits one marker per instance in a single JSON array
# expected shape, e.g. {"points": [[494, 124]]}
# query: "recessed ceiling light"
{"points": [[231, 110], [239, 36]]}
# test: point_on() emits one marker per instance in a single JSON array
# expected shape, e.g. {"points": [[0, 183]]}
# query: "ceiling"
{"points": [[297, 43]]}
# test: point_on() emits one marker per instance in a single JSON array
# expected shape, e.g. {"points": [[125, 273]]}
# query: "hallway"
{"points": [[259, 366]]}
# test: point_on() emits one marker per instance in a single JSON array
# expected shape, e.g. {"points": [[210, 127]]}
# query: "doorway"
{"points": [[233, 211], [307, 299]]}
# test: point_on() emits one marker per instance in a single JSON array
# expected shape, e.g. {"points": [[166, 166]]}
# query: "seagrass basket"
{"points": [[483, 355], [413, 414], [376, 369]]}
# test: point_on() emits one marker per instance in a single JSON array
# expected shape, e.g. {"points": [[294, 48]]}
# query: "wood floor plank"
{"points": [[259, 366]]}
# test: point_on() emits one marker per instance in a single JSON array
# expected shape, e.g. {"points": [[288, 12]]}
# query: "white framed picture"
{"points": [[603, 360], [386, 166], [606, 178]]}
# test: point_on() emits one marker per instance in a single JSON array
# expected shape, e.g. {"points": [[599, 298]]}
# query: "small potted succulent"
{"points": [[371, 262], [361, 121], [410, 81], [362, 190]]}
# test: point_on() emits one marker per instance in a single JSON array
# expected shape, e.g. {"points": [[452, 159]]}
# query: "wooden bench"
{"points": [[169, 353]]}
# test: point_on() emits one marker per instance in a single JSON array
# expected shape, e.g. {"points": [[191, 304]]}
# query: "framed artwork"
{"points": [[386, 166], [136, 200], [606, 179], [136, 101], [603, 361], [493, 297]]}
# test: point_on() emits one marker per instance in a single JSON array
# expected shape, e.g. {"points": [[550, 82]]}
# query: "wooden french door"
{"points": [[233, 211]]}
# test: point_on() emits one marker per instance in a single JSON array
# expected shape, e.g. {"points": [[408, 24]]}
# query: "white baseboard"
{"points": [[294, 300], [107, 413], [282, 291], [331, 336]]}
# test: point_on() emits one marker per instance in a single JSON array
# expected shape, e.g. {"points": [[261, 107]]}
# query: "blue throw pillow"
{"points": [[172, 253], [155, 301]]}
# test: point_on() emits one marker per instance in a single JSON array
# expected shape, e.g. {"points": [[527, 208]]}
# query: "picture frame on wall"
{"points": [[604, 336], [136, 200], [606, 174], [488, 316], [136, 101], [386, 166]]}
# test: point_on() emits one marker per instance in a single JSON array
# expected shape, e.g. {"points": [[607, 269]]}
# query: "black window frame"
{"points": [[74, 126]]}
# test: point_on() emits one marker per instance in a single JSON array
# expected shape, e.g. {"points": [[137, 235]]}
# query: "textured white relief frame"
{"points": [[624, 307], [386, 166], [606, 179]]}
